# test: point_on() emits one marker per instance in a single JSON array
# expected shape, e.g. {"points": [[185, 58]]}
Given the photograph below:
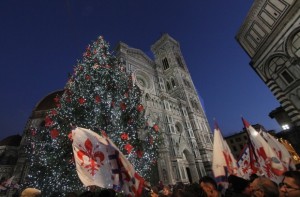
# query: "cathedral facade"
{"points": [[170, 100]]}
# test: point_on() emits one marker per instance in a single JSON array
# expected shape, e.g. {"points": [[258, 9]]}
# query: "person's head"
{"points": [[209, 185], [154, 191], [31, 192], [290, 185], [71, 194], [239, 185], [166, 190], [264, 187], [253, 177], [297, 166]]}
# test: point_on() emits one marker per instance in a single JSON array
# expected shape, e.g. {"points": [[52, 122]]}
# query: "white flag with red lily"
{"points": [[280, 150], [99, 162], [269, 163], [8, 182], [247, 162], [223, 163]]}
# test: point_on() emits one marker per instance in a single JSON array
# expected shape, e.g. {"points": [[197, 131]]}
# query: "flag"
{"points": [[247, 163], [280, 150], [99, 162], [8, 182], [223, 163], [269, 163]]}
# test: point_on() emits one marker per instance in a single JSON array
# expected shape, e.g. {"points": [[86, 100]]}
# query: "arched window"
{"points": [[147, 97], [278, 66], [168, 86], [179, 62], [165, 63], [173, 83], [296, 44]]}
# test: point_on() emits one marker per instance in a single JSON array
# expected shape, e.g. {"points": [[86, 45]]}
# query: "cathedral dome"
{"points": [[48, 101], [13, 140]]}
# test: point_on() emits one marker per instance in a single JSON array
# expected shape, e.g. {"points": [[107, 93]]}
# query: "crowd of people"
{"points": [[207, 187]]}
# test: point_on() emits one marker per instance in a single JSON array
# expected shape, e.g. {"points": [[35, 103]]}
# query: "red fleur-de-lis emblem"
{"points": [[95, 158]]}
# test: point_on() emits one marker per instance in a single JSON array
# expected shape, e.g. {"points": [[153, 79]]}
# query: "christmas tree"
{"points": [[99, 96]]}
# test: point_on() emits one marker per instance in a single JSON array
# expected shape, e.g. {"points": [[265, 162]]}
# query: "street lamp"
{"points": [[285, 127]]}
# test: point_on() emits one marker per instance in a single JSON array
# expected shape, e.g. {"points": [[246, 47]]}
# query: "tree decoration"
{"points": [[88, 77], [56, 99], [128, 148], [99, 96], [124, 136], [140, 107], [48, 121], [139, 153], [81, 100], [54, 133], [123, 106], [97, 99], [68, 99], [96, 66], [33, 131], [155, 127], [70, 136], [53, 112]]}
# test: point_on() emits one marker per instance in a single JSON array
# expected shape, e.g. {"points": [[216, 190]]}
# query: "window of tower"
{"points": [[168, 86], [186, 83], [165, 63], [179, 62], [177, 129], [173, 83]]}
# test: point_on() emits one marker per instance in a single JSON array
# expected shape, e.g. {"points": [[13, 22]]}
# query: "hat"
{"points": [[31, 192], [238, 184]]}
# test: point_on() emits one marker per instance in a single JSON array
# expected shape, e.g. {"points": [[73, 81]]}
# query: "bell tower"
{"points": [[171, 67]]}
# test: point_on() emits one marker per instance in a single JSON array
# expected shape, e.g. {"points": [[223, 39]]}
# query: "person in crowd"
{"points": [[71, 194], [238, 187], [154, 191], [264, 187], [194, 190], [160, 185], [166, 191], [297, 166], [86, 194], [31, 192], [290, 185], [209, 186], [253, 177]]}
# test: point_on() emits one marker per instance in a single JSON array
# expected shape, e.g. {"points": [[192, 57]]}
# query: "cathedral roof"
{"points": [[48, 101], [13, 140]]}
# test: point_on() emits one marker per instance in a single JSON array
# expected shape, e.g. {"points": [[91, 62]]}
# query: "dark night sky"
{"points": [[41, 41]]}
